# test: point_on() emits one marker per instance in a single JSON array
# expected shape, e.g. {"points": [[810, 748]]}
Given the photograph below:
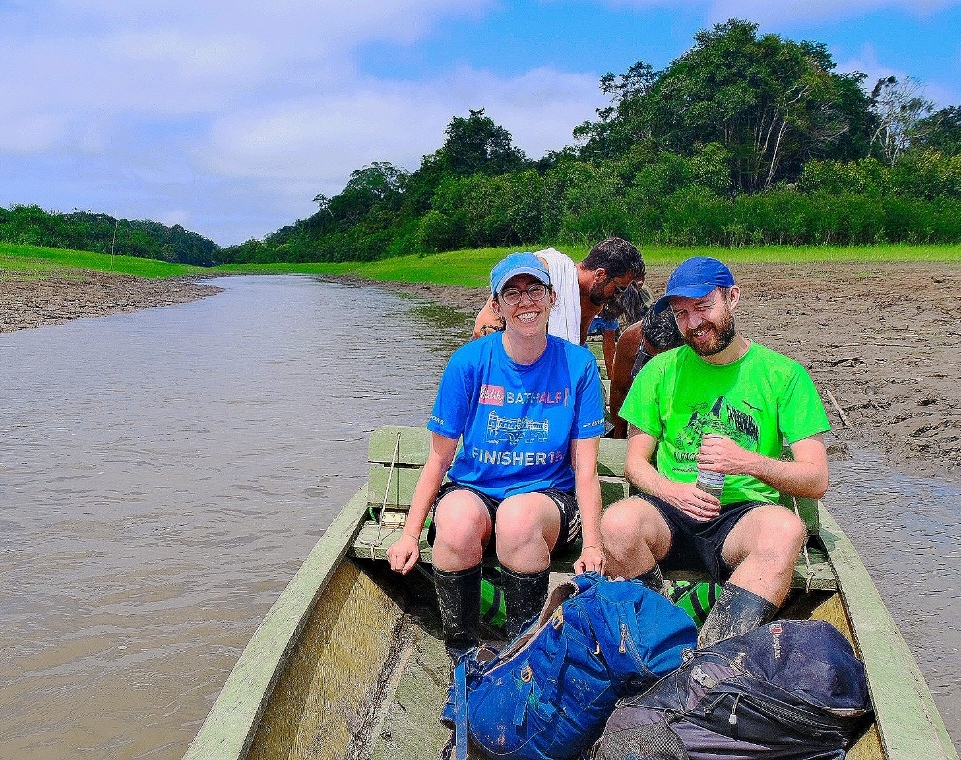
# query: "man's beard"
{"points": [[723, 332], [597, 295]]}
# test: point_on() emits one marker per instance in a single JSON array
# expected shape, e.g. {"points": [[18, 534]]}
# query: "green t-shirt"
{"points": [[759, 401]]}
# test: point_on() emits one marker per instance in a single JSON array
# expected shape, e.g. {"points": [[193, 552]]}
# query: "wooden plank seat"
{"points": [[397, 455]]}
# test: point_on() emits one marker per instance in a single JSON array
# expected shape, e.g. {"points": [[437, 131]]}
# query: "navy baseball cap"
{"points": [[518, 263], [695, 278]]}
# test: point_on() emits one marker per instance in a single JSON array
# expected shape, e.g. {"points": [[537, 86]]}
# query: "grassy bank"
{"points": [[28, 262], [466, 267], [472, 267]]}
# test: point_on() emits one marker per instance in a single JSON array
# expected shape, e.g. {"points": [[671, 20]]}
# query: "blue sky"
{"points": [[228, 118]]}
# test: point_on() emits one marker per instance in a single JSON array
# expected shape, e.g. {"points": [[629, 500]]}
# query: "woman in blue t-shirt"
{"points": [[529, 409]]}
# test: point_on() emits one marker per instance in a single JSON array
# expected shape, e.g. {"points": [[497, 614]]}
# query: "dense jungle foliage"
{"points": [[86, 231], [746, 139]]}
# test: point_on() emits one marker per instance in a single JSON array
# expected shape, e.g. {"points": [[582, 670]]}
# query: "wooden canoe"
{"points": [[349, 662]]}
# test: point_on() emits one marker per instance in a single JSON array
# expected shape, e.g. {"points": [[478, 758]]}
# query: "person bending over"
{"points": [[720, 404], [524, 484], [580, 289]]}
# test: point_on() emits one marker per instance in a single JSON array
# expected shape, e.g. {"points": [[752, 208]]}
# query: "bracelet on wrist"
{"points": [[411, 535]]}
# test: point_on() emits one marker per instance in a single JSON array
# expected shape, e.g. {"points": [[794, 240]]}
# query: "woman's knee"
{"points": [[461, 522], [527, 519]]}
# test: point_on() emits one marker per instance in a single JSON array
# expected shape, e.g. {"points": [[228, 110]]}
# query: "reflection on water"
{"points": [[164, 473]]}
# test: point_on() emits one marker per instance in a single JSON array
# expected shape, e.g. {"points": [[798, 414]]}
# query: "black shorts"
{"points": [[697, 543], [566, 503]]}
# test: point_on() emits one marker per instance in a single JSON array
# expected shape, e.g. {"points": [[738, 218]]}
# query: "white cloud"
{"points": [[323, 139]]}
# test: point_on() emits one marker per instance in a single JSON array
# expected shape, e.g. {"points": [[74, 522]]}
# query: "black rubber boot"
{"points": [[458, 598], [654, 580], [736, 611], [524, 597]]}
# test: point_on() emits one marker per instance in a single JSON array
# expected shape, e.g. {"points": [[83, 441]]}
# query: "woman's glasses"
{"points": [[512, 296]]}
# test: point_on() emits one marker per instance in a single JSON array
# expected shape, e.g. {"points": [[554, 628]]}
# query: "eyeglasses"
{"points": [[512, 296]]}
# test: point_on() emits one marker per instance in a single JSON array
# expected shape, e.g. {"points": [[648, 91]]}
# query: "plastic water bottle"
{"points": [[711, 482], [708, 481]]}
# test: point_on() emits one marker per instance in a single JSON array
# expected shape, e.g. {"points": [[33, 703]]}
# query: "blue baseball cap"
{"points": [[695, 278], [515, 264]]}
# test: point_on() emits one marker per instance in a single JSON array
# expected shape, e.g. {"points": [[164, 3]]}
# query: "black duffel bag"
{"points": [[789, 690]]}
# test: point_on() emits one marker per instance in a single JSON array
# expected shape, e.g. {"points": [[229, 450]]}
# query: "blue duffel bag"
{"points": [[548, 693]]}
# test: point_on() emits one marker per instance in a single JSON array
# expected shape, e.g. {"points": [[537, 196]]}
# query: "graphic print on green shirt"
{"points": [[759, 401]]}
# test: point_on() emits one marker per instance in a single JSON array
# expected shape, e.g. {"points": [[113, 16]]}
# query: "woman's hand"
{"points": [[592, 558], [404, 553]]}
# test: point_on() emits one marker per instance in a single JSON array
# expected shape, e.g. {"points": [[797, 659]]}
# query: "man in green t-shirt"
{"points": [[716, 411]]}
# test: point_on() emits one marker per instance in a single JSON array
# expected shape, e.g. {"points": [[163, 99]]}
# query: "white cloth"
{"points": [[565, 319]]}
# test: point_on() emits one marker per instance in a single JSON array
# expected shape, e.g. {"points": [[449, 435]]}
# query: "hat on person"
{"points": [[515, 264], [695, 278]]}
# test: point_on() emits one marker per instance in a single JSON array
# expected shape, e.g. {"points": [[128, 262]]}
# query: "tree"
{"points": [[770, 103], [477, 144], [900, 110], [941, 130]]}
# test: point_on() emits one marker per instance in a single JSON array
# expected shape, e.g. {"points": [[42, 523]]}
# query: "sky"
{"points": [[229, 117]]}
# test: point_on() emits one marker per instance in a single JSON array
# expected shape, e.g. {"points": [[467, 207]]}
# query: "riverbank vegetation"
{"points": [[471, 268], [84, 230]]}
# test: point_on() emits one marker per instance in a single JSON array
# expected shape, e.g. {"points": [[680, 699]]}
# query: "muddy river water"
{"points": [[163, 474]]}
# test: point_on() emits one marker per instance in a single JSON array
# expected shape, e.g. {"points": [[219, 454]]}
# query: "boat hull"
{"points": [[350, 663]]}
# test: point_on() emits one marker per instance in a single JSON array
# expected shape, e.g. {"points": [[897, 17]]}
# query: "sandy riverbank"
{"points": [[881, 343], [28, 303]]}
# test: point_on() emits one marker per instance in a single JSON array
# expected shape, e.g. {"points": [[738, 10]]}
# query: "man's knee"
{"points": [[772, 532], [632, 520]]}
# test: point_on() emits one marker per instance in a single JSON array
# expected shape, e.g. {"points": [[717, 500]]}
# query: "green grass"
{"points": [[465, 267], [29, 262], [472, 267]]}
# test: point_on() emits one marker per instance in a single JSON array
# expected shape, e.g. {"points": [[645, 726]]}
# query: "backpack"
{"points": [[548, 693], [791, 689]]}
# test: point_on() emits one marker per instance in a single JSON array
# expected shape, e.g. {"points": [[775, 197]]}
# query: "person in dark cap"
{"points": [[529, 408], [716, 411]]}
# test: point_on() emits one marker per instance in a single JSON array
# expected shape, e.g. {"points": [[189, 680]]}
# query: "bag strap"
{"points": [[460, 710]]}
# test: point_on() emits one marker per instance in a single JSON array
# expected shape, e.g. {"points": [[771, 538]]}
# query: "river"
{"points": [[163, 473]]}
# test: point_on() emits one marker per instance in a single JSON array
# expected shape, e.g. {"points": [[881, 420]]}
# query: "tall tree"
{"points": [[477, 144], [900, 110], [942, 130]]}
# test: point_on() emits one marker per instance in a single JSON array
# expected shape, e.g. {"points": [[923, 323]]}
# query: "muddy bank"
{"points": [[52, 301], [880, 341]]}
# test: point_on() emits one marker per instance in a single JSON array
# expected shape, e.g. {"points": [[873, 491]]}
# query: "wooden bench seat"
{"points": [[397, 455]]}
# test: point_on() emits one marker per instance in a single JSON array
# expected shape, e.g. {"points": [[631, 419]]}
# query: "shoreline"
{"points": [[884, 360], [29, 303]]}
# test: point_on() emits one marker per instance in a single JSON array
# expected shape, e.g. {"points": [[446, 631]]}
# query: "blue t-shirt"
{"points": [[517, 420]]}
